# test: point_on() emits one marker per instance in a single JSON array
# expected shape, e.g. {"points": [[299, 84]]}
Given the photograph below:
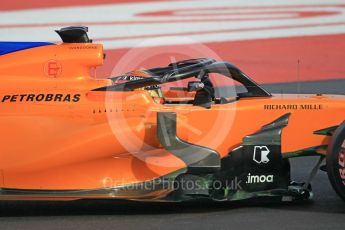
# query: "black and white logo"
{"points": [[261, 154], [256, 179]]}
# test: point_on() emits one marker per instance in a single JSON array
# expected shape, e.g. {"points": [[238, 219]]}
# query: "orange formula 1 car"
{"points": [[66, 135]]}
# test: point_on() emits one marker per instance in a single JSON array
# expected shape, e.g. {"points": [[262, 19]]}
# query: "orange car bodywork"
{"points": [[87, 139]]}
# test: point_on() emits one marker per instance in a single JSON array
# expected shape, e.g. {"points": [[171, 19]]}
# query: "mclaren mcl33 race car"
{"points": [[66, 135]]}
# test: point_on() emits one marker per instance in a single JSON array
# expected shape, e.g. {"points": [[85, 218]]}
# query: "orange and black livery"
{"points": [[67, 135]]}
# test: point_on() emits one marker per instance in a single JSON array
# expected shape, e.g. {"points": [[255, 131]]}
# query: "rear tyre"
{"points": [[335, 161]]}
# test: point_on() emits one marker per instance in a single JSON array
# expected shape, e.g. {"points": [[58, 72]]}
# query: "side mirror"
{"points": [[195, 86]]}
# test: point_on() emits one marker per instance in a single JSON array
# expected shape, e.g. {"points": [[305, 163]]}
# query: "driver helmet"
{"points": [[155, 91]]}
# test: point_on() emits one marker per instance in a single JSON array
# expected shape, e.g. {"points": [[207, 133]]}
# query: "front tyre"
{"points": [[336, 161]]}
